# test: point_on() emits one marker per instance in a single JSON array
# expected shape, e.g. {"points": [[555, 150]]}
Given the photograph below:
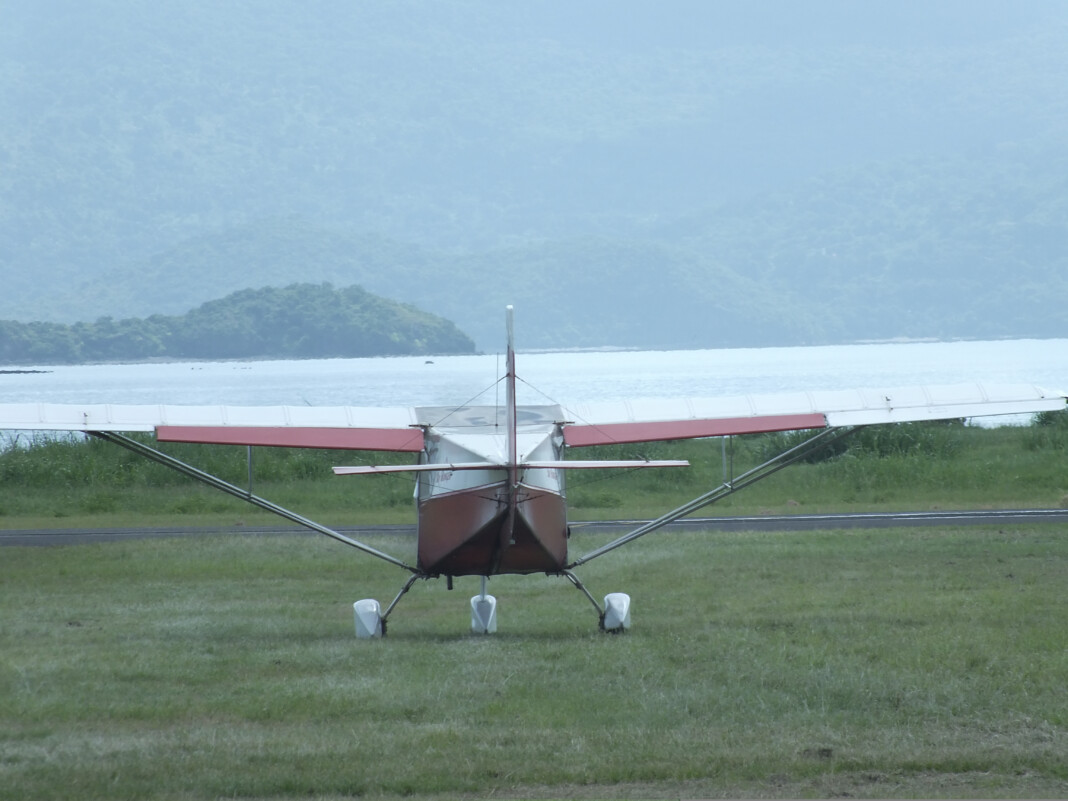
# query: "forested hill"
{"points": [[300, 321], [675, 174]]}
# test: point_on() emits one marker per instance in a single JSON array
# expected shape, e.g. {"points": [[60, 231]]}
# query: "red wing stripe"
{"points": [[405, 440], [578, 436]]}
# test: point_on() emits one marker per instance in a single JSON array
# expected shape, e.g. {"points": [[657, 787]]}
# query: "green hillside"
{"points": [[300, 321], [684, 174]]}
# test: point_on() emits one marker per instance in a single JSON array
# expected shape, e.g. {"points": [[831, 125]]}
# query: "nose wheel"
{"points": [[483, 612]]}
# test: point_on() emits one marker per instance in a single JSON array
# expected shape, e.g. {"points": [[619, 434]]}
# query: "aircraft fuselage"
{"points": [[502, 519]]}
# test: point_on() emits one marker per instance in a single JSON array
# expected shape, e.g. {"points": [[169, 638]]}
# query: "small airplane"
{"points": [[489, 488]]}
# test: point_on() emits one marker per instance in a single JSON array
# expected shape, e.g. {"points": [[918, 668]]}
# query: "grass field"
{"points": [[918, 662], [894, 663], [887, 468]]}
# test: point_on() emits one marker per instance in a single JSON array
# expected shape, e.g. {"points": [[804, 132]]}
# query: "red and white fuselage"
{"points": [[507, 515]]}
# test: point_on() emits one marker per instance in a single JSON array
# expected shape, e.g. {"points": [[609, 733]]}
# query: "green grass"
{"points": [[894, 663], [887, 468], [102, 485], [891, 468]]}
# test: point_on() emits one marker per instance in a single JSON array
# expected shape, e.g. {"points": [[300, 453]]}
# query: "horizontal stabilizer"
{"points": [[579, 464], [370, 469]]}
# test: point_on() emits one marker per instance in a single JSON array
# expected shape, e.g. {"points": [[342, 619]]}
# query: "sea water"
{"points": [[546, 377]]}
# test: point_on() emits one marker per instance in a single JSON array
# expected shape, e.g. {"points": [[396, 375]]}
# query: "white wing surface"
{"points": [[347, 427], [664, 419], [400, 429]]}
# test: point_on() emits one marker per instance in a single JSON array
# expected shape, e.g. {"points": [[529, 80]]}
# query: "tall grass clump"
{"points": [[1049, 432], [937, 439]]}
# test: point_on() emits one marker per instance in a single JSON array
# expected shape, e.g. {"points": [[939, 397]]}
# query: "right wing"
{"points": [[653, 420]]}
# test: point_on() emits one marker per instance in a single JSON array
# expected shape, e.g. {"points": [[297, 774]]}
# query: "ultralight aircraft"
{"points": [[490, 479]]}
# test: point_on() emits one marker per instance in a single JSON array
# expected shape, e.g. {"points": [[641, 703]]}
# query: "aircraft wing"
{"points": [[668, 419], [398, 428], [341, 427]]}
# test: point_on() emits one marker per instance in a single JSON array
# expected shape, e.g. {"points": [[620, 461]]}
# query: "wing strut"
{"points": [[246, 495], [769, 467]]}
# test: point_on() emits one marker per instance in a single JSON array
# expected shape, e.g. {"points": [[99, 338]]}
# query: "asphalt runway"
{"points": [[75, 536]]}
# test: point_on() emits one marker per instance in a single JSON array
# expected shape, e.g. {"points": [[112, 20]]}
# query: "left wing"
{"points": [[340, 427]]}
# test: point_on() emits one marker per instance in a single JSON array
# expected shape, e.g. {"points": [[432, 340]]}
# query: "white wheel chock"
{"points": [[368, 615], [483, 614], [616, 611]]}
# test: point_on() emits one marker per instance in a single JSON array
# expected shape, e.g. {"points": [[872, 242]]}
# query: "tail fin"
{"points": [[511, 418], [509, 397]]}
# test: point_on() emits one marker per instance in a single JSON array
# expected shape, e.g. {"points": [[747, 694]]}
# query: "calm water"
{"points": [[557, 377]]}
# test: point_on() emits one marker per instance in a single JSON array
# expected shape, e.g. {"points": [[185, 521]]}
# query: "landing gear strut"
{"points": [[615, 616], [370, 620]]}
